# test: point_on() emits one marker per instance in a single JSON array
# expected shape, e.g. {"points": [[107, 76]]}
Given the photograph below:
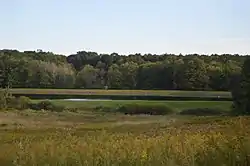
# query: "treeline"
{"points": [[38, 69]]}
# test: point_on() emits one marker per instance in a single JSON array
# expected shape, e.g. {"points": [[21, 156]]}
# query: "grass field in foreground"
{"points": [[176, 105], [123, 92], [40, 138]]}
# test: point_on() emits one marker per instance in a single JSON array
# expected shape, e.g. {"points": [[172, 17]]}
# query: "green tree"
{"points": [[195, 75], [152, 75], [40, 74], [87, 77], [101, 73], [8, 70], [173, 68], [114, 77], [64, 77], [129, 75], [215, 74], [39, 69], [241, 93]]}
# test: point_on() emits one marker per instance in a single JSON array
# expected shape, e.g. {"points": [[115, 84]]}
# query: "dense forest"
{"points": [[90, 70]]}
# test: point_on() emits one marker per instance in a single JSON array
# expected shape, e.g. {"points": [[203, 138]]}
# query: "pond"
{"points": [[87, 99]]}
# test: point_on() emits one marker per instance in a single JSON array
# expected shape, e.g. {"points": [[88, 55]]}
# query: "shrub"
{"points": [[202, 112], [7, 101], [11, 102], [22, 103], [46, 105], [103, 109], [5, 97], [133, 109], [2, 102]]}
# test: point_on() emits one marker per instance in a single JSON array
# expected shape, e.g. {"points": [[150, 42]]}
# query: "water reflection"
{"points": [[87, 99]]}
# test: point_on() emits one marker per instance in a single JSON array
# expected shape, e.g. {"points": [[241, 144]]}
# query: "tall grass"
{"points": [[194, 143]]}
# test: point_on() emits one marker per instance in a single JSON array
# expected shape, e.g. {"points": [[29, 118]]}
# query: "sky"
{"points": [[126, 26]]}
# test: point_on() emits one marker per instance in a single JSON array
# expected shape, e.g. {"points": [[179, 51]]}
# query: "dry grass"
{"points": [[109, 139]]}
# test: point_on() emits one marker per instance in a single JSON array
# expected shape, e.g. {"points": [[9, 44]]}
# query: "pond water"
{"points": [[87, 99]]}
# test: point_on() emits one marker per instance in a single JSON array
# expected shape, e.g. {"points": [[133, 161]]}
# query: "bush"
{"points": [[202, 112], [46, 105], [11, 102], [133, 109], [5, 98], [103, 109], [22, 103], [7, 101]]}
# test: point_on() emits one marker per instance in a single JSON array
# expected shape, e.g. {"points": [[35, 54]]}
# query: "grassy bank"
{"points": [[122, 94], [87, 138], [175, 105]]}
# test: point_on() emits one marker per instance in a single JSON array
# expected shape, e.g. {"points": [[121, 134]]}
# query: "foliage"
{"points": [[152, 76], [195, 74], [241, 93], [90, 70], [114, 77], [6, 98], [7, 101], [133, 109], [46, 105], [87, 77], [23, 103], [8, 69]]}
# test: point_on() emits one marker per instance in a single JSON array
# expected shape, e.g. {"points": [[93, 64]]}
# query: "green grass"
{"points": [[175, 105], [87, 92], [30, 138]]}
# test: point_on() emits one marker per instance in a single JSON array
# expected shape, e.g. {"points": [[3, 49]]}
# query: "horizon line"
{"points": [[122, 54]]}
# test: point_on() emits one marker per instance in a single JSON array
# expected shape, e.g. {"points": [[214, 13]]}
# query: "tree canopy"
{"points": [[38, 69], [241, 92]]}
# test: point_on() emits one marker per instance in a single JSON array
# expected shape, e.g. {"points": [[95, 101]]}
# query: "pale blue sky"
{"points": [[126, 26]]}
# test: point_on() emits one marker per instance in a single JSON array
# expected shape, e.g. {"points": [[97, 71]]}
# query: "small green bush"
{"points": [[133, 109], [7, 101], [103, 109], [202, 112], [12, 102], [46, 105], [5, 98], [20, 103]]}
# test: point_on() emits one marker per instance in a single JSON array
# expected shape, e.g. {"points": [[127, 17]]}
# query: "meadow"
{"points": [[175, 105], [96, 138], [87, 134]]}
